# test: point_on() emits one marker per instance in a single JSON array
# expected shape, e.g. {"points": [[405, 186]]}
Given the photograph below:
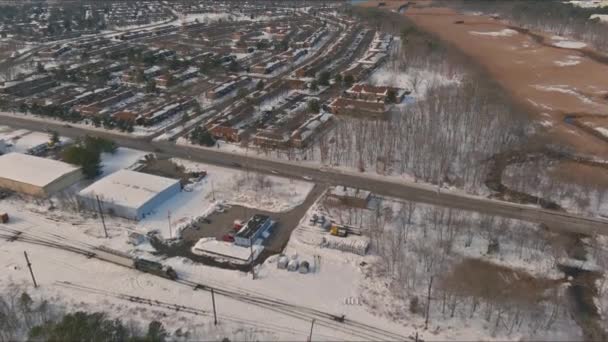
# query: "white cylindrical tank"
{"points": [[282, 262], [293, 264], [304, 267]]}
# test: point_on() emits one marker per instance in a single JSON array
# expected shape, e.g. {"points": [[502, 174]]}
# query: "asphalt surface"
{"points": [[401, 189]]}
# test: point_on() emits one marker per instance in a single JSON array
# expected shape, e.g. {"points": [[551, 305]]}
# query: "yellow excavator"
{"points": [[338, 231]]}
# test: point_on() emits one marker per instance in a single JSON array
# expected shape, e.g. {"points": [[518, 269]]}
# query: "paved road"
{"points": [[382, 186]]}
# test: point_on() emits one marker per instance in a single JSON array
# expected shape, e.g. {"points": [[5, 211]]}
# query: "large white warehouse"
{"points": [[36, 176], [129, 194]]}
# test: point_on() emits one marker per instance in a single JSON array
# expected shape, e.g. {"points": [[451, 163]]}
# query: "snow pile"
{"points": [[603, 131], [352, 244], [501, 33], [569, 44]]}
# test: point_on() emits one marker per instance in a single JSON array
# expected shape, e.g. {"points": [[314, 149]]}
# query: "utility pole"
{"points": [[214, 312], [169, 219], [428, 304], [212, 190], [311, 326], [29, 265], [251, 264], [103, 221]]}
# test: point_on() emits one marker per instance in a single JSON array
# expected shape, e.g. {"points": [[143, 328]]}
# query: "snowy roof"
{"points": [[210, 246], [128, 188], [27, 169]]}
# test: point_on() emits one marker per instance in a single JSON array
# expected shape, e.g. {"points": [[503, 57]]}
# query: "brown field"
{"points": [[474, 277], [550, 82]]}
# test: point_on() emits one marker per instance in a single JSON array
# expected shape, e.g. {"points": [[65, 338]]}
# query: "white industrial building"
{"points": [[129, 194], [36, 176]]}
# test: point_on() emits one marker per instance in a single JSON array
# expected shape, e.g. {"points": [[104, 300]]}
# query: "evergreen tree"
{"points": [[202, 136], [324, 78]]}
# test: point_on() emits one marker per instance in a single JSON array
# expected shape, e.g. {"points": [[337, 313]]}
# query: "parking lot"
{"points": [[220, 223]]}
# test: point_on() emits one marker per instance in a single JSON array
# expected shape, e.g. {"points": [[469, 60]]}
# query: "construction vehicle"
{"points": [[338, 231]]}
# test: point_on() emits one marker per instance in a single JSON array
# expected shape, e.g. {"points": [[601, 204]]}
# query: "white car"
{"points": [[308, 178]]}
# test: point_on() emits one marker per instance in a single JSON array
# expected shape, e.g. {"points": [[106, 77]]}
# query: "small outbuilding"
{"points": [[129, 194], [36, 176], [258, 227]]}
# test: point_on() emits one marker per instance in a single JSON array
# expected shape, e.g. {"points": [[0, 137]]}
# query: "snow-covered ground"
{"points": [[21, 140], [338, 283], [122, 158]]}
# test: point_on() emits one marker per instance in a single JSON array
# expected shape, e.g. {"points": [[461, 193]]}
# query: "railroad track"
{"points": [[267, 326], [335, 322]]}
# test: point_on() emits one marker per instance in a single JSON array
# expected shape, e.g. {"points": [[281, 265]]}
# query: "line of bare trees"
{"points": [[578, 193], [443, 137], [19, 313], [421, 246]]}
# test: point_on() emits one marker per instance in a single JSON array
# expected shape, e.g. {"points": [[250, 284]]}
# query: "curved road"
{"points": [[385, 186]]}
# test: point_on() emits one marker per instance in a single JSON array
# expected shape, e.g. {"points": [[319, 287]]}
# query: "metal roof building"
{"points": [[36, 176], [129, 194], [253, 230]]}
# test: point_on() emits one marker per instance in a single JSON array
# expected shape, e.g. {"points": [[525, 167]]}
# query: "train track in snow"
{"points": [[338, 323], [268, 326]]}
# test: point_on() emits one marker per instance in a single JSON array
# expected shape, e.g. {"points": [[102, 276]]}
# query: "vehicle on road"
{"points": [[274, 172], [67, 126], [308, 178]]}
